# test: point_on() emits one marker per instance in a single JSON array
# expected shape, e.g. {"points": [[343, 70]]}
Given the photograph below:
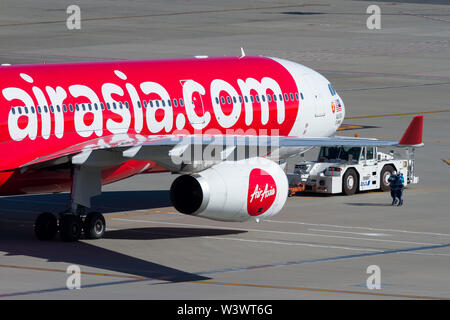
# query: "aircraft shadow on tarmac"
{"points": [[17, 236], [166, 233], [107, 202]]}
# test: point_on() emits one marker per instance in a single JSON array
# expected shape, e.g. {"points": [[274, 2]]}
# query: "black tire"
{"points": [[70, 228], [350, 182], [386, 172], [94, 225], [45, 226]]}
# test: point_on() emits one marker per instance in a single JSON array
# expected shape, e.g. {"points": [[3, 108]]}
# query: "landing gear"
{"points": [[86, 183], [94, 225], [46, 226], [70, 228]]}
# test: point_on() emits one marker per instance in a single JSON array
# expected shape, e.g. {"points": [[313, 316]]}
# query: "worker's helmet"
{"points": [[394, 173]]}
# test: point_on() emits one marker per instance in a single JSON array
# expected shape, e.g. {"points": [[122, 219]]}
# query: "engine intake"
{"points": [[232, 191]]}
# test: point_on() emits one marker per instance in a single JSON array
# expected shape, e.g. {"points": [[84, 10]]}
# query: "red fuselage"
{"points": [[47, 108]]}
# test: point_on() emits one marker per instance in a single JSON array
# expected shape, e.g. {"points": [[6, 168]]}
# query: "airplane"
{"points": [[225, 124]]}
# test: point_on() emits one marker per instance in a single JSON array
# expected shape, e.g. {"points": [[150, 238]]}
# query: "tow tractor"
{"points": [[341, 169]]}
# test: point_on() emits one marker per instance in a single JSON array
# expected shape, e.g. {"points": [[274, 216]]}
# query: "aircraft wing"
{"points": [[123, 147]]}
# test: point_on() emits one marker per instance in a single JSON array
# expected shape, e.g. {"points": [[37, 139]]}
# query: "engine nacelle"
{"points": [[232, 191]]}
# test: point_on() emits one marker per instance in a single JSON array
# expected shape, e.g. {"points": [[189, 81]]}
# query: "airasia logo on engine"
{"points": [[262, 191]]}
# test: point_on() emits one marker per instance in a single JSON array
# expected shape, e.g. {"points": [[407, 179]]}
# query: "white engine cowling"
{"points": [[232, 191]]}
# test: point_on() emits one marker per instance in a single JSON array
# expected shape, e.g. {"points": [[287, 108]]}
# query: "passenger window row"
{"points": [[150, 103], [261, 98]]}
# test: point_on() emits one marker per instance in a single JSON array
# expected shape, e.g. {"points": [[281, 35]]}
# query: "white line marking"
{"points": [[280, 232], [363, 228], [293, 244], [358, 233]]}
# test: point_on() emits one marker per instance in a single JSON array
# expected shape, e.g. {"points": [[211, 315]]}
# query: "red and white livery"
{"points": [[76, 126]]}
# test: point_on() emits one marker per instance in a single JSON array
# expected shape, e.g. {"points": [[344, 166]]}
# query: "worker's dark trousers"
{"points": [[400, 196], [393, 195]]}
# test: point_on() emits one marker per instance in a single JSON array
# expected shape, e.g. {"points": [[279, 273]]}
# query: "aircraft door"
{"points": [[316, 94]]}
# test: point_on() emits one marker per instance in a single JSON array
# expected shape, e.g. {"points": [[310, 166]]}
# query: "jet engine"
{"points": [[232, 191]]}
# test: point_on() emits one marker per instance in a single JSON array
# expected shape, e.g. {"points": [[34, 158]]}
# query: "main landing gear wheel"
{"points": [[45, 226], [70, 228], [94, 226]]}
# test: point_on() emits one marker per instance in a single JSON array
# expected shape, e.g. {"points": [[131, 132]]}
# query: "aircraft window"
{"points": [[234, 100], [90, 107], [274, 97], [292, 96], [263, 98], [286, 97], [120, 105], [13, 111], [32, 109], [52, 110], [252, 99], [108, 106], [181, 102], [169, 103], [296, 96], [240, 99], [257, 98], [102, 106], [114, 105], [246, 99], [280, 96], [83, 106], [163, 103], [26, 110], [20, 110], [175, 103], [70, 108], [127, 105], [157, 103], [217, 100], [222, 99], [39, 109], [150, 103], [301, 95], [269, 98], [228, 100], [58, 108], [65, 108]]}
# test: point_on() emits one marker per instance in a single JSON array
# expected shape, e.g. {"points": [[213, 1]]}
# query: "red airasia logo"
{"points": [[261, 192]]}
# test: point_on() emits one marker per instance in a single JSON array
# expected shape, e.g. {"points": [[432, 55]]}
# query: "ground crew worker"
{"points": [[400, 186], [393, 185]]}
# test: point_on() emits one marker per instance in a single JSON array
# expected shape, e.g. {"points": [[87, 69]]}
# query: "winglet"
{"points": [[413, 135]]}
